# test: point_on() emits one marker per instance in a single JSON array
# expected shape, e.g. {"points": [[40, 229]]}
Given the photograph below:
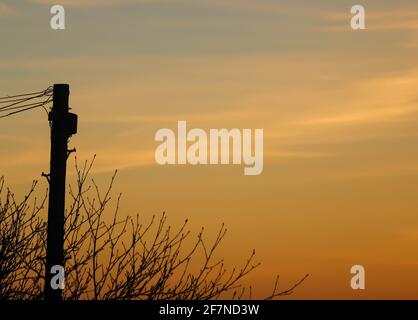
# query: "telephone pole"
{"points": [[63, 125]]}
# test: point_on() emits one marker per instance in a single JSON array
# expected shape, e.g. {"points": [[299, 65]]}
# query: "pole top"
{"points": [[60, 98], [62, 87]]}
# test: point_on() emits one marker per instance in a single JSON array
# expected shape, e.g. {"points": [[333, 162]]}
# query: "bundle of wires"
{"points": [[11, 105]]}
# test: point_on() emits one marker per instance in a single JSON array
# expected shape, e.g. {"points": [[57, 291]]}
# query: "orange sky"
{"points": [[339, 110]]}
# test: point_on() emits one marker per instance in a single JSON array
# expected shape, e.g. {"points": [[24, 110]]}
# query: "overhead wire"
{"points": [[28, 94], [23, 102]]}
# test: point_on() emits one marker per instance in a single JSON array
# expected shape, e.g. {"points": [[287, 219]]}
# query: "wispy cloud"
{"points": [[382, 20], [111, 160], [6, 10], [363, 117], [260, 6], [394, 20], [289, 155], [90, 3]]}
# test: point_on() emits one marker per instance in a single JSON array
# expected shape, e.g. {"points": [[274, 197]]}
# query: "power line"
{"points": [[20, 104], [46, 91], [28, 105], [13, 102], [21, 110], [15, 105]]}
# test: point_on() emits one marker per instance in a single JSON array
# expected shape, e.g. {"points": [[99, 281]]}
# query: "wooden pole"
{"points": [[62, 127]]}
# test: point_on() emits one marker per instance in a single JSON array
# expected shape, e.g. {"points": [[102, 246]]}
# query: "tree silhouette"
{"points": [[113, 258], [22, 245]]}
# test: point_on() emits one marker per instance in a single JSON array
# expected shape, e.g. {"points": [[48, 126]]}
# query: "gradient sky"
{"points": [[339, 109]]}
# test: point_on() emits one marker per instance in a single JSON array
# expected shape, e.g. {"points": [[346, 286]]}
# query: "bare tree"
{"points": [[22, 234], [111, 257]]}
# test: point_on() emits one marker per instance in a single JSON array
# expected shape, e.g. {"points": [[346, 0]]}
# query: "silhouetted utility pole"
{"points": [[63, 125]]}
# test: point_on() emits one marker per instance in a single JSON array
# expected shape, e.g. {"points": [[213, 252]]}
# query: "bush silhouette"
{"points": [[113, 258]]}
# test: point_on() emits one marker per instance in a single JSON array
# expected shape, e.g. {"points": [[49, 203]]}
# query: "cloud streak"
{"points": [[6, 10], [90, 3], [363, 117]]}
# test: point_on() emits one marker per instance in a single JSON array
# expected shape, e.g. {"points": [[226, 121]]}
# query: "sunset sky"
{"points": [[339, 109]]}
